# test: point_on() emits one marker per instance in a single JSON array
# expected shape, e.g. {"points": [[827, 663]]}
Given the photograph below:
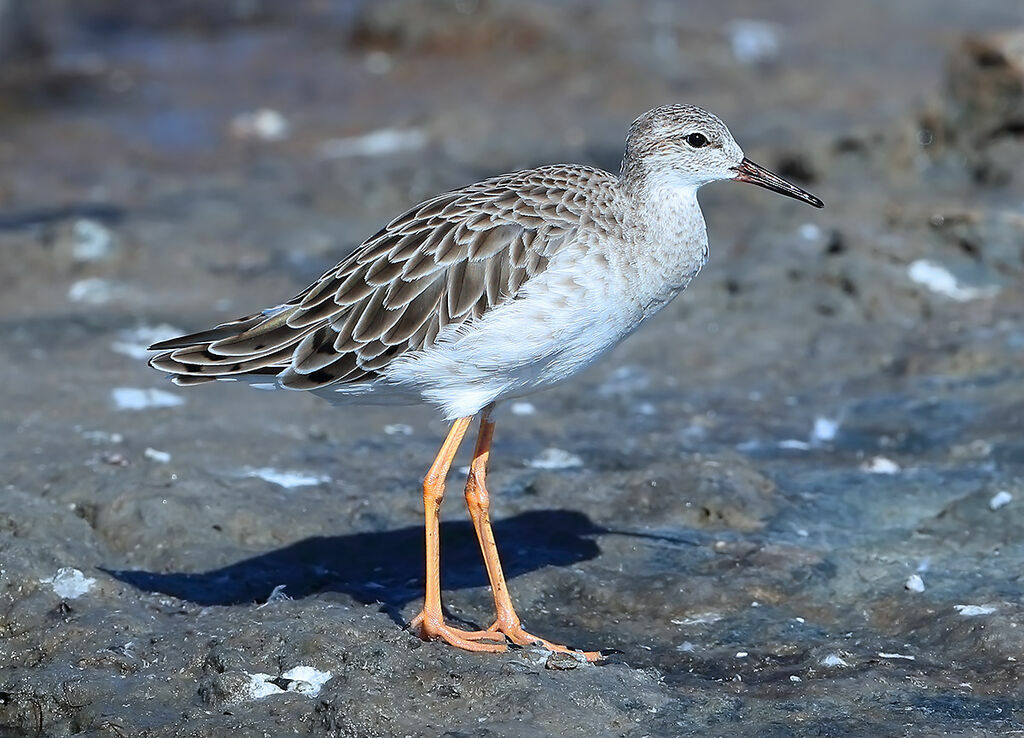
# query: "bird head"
{"points": [[685, 147]]}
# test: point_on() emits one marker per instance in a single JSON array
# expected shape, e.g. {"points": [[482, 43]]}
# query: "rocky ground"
{"points": [[794, 501]]}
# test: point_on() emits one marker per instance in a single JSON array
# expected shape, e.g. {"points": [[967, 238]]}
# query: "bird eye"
{"points": [[696, 140]]}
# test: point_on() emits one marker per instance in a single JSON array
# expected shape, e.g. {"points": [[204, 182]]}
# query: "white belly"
{"points": [[563, 321]]}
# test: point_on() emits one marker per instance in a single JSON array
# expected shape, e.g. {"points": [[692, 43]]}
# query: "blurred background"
{"points": [[812, 458]]}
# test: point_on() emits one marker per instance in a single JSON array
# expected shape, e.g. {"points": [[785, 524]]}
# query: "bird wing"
{"points": [[447, 261]]}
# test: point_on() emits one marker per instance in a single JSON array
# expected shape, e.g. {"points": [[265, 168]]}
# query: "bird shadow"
{"points": [[384, 567]]}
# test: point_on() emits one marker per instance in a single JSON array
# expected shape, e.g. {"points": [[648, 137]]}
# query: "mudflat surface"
{"points": [[793, 501]]}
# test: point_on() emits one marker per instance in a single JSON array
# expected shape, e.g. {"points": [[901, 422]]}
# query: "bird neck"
{"points": [[666, 208], [667, 243]]}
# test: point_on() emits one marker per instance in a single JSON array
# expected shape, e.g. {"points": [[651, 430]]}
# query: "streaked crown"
{"points": [[680, 146]]}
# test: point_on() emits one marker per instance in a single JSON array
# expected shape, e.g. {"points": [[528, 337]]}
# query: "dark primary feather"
{"points": [[444, 262]]}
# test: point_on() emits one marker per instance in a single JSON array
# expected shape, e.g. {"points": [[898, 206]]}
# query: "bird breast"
{"points": [[663, 252]]}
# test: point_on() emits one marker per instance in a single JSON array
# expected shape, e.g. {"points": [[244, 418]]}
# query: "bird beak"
{"points": [[748, 171]]}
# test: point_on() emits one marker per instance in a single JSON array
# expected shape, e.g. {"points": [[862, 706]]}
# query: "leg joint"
{"points": [[433, 487], [476, 492]]}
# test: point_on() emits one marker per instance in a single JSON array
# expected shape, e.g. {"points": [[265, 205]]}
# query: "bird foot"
{"points": [[433, 627], [492, 640], [515, 633]]}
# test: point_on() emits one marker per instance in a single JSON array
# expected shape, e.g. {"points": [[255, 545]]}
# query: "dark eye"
{"points": [[696, 140]]}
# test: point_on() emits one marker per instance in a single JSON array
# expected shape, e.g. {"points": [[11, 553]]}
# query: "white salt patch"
{"points": [[306, 680], [834, 661], [69, 583], [742, 654], [914, 583], [301, 679], [753, 41], [624, 380], [973, 611], [810, 232], [695, 430], [700, 618], [555, 458], [131, 398], [794, 444], [885, 655], [277, 594], [1000, 499], [160, 457], [94, 291], [398, 429], [265, 386], [824, 429], [943, 282], [260, 686], [136, 351], [880, 465], [136, 341], [379, 143], [98, 436], [523, 408], [794, 678], [264, 124], [287, 479], [378, 62], [91, 240], [686, 647]]}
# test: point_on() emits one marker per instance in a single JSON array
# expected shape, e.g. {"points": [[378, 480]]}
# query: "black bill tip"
{"points": [[748, 171]]}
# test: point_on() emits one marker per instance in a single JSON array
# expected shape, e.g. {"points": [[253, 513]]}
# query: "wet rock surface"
{"points": [[794, 501]]}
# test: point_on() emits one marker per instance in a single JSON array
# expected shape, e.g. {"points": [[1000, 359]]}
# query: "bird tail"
{"points": [[261, 344]]}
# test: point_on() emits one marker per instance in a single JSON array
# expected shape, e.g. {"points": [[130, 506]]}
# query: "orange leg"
{"points": [[478, 502], [430, 621]]}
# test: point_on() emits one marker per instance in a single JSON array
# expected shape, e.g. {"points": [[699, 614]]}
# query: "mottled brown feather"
{"points": [[444, 262]]}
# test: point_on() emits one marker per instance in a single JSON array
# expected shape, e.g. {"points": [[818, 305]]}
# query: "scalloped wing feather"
{"points": [[446, 261]]}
